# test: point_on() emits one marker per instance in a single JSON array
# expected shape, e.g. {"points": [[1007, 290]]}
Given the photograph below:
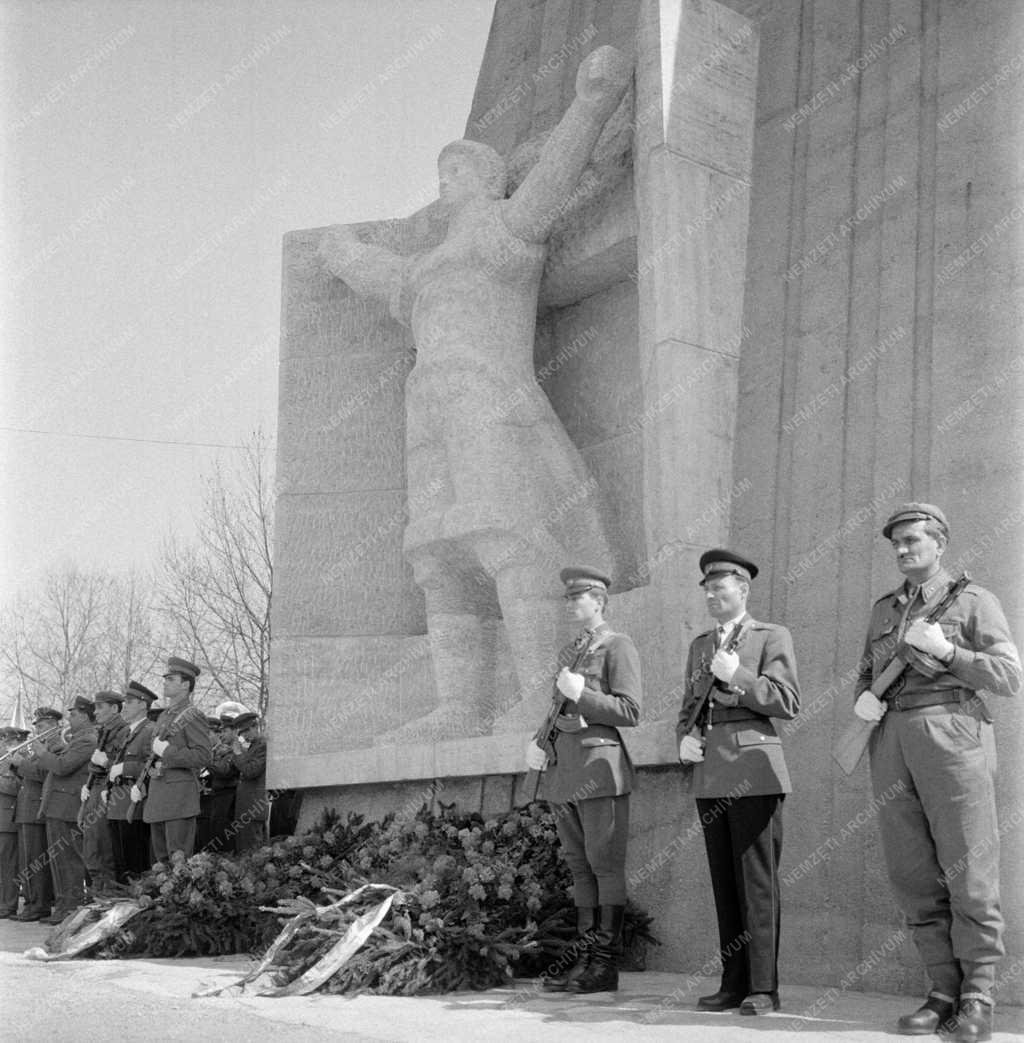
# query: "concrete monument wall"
{"points": [[789, 300]]}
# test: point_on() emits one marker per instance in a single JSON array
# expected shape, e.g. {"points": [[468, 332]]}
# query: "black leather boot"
{"points": [[602, 971], [973, 1022], [932, 1015], [573, 962]]}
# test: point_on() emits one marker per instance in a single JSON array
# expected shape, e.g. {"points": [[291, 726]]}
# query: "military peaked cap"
{"points": [[140, 692], [909, 512], [578, 579], [47, 713], [183, 667], [10, 732], [244, 720], [114, 698], [81, 703], [720, 562]]}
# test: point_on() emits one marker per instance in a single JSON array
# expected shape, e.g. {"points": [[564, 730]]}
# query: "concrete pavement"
{"points": [[134, 1000]]}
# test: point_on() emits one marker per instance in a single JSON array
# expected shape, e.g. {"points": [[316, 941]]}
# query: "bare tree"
{"points": [[216, 592], [81, 632]]}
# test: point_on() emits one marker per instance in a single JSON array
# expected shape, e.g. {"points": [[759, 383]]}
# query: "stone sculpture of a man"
{"points": [[497, 492]]}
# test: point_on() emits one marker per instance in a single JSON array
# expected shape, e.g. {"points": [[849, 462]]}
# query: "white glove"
{"points": [[868, 708], [691, 750], [724, 665], [116, 772], [104, 797], [99, 758], [536, 758], [244, 743], [569, 684], [136, 795], [929, 638], [159, 746], [83, 795]]}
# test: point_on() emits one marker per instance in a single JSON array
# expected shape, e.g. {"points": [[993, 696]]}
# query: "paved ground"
{"points": [[149, 1001]]}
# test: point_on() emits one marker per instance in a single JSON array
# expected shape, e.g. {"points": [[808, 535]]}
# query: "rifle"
{"points": [[850, 746], [546, 734], [731, 644], [140, 782]]}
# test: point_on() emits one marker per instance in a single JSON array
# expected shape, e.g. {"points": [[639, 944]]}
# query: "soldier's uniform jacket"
{"points": [[743, 751], [110, 739], [9, 786], [591, 759], [133, 753], [67, 769], [985, 657], [32, 775], [252, 778], [174, 785]]}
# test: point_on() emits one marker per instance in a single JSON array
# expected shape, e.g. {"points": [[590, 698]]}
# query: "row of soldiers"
{"points": [[89, 804]]}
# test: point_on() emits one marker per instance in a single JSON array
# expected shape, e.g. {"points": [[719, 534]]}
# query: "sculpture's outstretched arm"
{"points": [[535, 206], [372, 271]]}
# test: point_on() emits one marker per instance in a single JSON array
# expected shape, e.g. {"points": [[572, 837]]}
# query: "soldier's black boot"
{"points": [[602, 972], [573, 962]]}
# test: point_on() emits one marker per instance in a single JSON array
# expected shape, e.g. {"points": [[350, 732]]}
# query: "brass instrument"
{"points": [[29, 741]]}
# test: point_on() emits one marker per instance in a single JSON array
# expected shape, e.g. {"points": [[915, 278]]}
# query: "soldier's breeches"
{"points": [[932, 775], [176, 834], [593, 835]]}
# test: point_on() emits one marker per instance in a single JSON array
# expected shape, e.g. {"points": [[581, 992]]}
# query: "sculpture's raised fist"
{"points": [[603, 74]]}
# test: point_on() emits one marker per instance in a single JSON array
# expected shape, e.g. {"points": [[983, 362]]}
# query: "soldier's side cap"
{"points": [[81, 703], [182, 666], [720, 562], [915, 512], [140, 692], [114, 698], [10, 732], [243, 720], [578, 579], [47, 713], [211, 721]]}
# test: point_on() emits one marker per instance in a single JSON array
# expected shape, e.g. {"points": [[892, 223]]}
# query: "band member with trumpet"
{"points": [[735, 684], [182, 746], [588, 777], [130, 840], [9, 786], [33, 856], [67, 770], [249, 756]]}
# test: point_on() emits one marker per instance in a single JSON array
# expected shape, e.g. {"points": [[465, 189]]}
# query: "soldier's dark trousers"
{"points": [[130, 842], [593, 834], [9, 883], [743, 838], [34, 867], [221, 815], [64, 840], [932, 772], [97, 853], [176, 834]]}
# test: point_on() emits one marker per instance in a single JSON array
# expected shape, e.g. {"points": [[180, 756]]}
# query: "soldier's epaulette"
{"points": [[894, 593]]}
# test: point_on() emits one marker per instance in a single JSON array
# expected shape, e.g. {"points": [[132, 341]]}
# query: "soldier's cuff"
{"points": [[743, 681], [960, 659]]}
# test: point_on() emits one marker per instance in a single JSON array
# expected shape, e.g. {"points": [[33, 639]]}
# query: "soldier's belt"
{"points": [[915, 701], [729, 714]]}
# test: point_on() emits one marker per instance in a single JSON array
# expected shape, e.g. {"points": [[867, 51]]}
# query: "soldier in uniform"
{"points": [[10, 783], [130, 840], [204, 820], [590, 776], [224, 778], [739, 776], [34, 858], [935, 748], [182, 746], [249, 755], [97, 850], [67, 768]]}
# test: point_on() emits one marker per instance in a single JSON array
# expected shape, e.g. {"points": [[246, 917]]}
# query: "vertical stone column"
{"points": [[695, 82]]}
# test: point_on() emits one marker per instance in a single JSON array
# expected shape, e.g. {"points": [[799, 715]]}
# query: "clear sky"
{"points": [[154, 154]]}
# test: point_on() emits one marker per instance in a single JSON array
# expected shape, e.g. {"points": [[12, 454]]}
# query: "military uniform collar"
{"points": [[928, 589], [586, 636]]}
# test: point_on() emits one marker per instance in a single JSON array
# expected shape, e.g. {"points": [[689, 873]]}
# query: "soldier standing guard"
{"points": [[934, 746], [747, 671], [590, 777], [10, 784], [97, 850], [182, 746], [32, 852], [67, 767], [130, 840]]}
